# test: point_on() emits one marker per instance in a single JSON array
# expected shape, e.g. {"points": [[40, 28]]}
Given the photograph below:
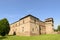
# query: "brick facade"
{"points": [[30, 25]]}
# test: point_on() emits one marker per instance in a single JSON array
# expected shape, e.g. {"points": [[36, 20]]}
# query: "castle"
{"points": [[30, 25]]}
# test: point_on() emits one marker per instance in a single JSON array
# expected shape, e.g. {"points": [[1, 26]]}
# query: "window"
{"points": [[52, 25], [22, 29], [13, 26], [23, 21], [16, 25], [39, 28], [35, 20], [19, 23], [32, 29], [36, 28]]}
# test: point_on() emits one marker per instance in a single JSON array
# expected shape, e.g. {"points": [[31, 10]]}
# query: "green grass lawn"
{"points": [[41, 37]]}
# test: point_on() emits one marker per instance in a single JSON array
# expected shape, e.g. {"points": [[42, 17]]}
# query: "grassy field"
{"points": [[41, 37]]}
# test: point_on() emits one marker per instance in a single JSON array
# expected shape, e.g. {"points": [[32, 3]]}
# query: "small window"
{"points": [[36, 28], [13, 25], [52, 25], [19, 23], [23, 21], [32, 29], [35, 20], [40, 28], [22, 29], [16, 25]]}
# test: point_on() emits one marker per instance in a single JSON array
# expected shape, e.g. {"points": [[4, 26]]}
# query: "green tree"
{"points": [[55, 30], [4, 27], [58, 27]]}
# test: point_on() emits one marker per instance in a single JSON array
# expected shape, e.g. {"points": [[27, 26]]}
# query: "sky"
{"points": [[14, 10]]}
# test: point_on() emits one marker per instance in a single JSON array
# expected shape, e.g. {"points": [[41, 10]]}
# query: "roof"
{"points": [[49, 19], [26, 17]]}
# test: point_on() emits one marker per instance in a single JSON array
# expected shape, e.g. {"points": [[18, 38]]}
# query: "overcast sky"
{"points": [[13, 10]]}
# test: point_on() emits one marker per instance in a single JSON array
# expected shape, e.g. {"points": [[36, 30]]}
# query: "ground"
{"points": [[40, 37]]}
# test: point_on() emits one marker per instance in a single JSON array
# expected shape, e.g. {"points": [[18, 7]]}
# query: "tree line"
{"points": [[58, 28]]}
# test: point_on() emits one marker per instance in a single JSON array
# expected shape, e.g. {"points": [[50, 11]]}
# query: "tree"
{"points": [[58, 27], [55, 30], [4, 27]]}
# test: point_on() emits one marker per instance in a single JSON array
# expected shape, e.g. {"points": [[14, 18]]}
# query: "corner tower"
{"points": [[49, 23]]}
